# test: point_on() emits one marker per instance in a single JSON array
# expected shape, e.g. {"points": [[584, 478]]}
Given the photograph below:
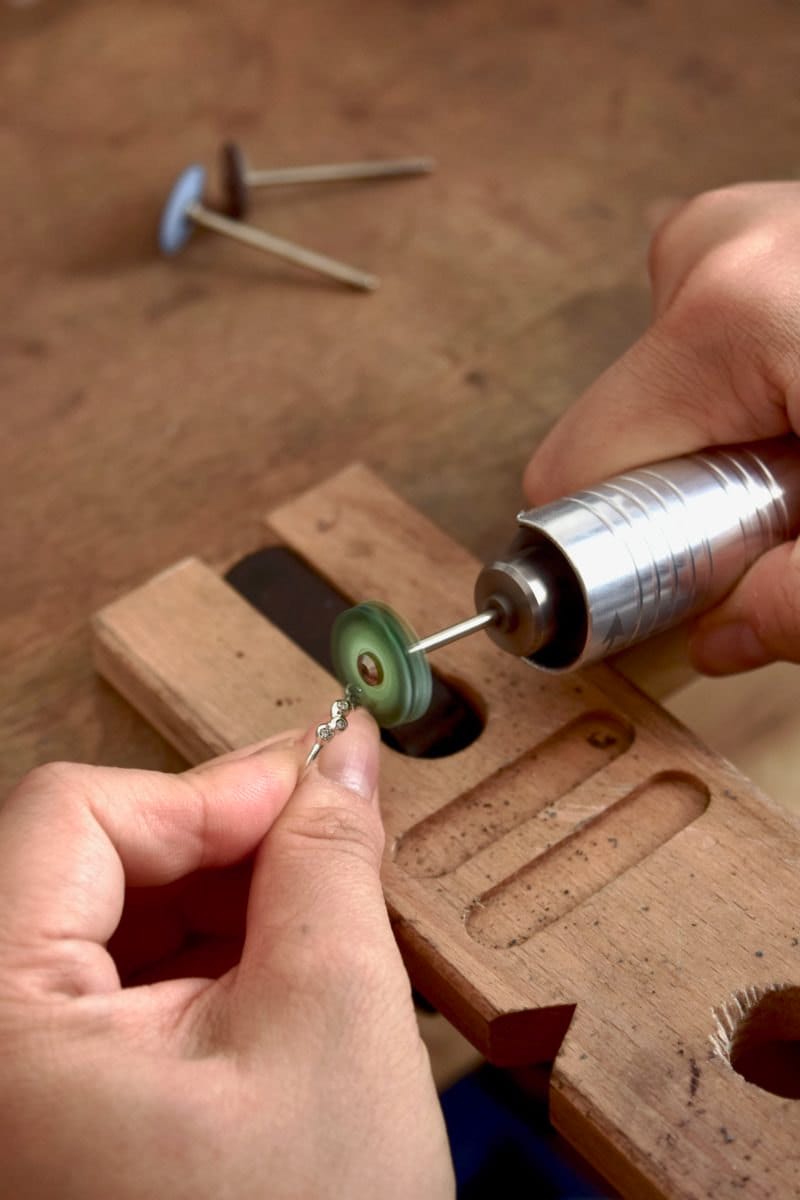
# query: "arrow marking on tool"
{"points": [[616, 631]]}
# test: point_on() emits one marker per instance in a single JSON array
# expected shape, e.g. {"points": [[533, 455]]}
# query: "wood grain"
{"points": [[629, 923], [151, 408]]}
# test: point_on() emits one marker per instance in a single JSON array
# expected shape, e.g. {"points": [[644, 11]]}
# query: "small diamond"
{"points": [[324, 733]]}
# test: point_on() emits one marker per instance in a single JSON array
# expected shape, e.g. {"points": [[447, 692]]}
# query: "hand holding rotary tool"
{"points": [[595, 572], [718, 367], [709, 397]]}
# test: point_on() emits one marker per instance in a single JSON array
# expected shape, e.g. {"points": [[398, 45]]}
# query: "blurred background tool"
{"points": [[238, 178], [185, 209]]}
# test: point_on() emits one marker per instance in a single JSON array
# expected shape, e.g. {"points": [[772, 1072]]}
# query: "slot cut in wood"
{"points": [[518, 791], [579, 865]]}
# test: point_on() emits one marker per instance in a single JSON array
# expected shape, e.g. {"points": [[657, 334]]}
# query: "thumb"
{"points": [[758, 623], [317, 924]]}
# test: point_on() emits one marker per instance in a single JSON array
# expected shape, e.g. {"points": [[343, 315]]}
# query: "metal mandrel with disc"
{"points": [[372, 649]]}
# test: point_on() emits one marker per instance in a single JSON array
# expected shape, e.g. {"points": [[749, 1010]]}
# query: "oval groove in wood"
{"points": [[584, 862], [516, 792]]}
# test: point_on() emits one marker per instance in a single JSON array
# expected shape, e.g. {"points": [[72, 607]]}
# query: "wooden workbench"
{"points": [[155, 409]]}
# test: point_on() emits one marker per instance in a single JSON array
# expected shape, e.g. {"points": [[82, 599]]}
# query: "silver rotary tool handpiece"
{"points": [[613, 564]]}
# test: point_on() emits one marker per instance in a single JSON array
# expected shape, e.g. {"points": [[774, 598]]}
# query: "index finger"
{"points": [[71, 836], [695, 379], [717, 366]]}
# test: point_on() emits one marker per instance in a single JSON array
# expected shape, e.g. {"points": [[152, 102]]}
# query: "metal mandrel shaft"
{"points": [[454, 633], [289, 251], [392, 168]]}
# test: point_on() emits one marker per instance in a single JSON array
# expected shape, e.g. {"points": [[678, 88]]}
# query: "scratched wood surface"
{"points": [[585, 868], [151, 408]]}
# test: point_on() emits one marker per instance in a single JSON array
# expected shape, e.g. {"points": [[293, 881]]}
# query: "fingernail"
{"points": [[727, 648], [350, 759]]}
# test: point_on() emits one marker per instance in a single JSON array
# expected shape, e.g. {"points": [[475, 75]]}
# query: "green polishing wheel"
{"points": [[369, 647]]}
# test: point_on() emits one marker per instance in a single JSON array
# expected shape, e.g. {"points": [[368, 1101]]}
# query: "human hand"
{"points": [[720, 364], [266, 1043]]}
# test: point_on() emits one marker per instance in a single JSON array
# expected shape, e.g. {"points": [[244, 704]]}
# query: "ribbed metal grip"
{"points": [[637, 554]]}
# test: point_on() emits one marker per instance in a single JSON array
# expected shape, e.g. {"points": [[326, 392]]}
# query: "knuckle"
{"points": [[336, 965], [662, 242], [356, 832], [54, 777], [195, 833], [701, 212], [345, 972], [787, 609], [199, 1127], [725, 245], [356, 962], [727, 287], [740, 288], [731, 324], [60, 786]]}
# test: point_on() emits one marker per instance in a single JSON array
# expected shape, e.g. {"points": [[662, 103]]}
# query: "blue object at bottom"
{"points": [[504, 1148], [175, 227]]}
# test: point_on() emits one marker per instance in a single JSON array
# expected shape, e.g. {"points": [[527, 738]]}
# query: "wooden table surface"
{"points": [[155, 409]]}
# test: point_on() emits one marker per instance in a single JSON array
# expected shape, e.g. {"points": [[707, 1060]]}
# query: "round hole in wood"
{"points": [[765, 1042], [455, 719]]}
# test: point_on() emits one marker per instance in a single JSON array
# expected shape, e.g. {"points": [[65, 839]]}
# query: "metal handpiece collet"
{"points": [[609, 566]]}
